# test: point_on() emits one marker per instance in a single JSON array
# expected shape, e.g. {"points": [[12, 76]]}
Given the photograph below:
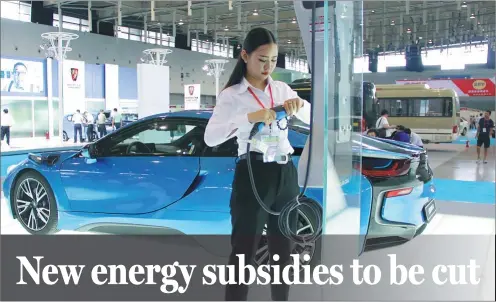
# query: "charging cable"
{"points": [[300, 200]]}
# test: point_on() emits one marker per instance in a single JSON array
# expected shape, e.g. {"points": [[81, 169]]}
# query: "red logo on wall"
{"points": [[74, 74], [191, 89], [475, 87]]}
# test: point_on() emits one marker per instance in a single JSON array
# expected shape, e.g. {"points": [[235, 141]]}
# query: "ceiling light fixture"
{"points": [[255, 13], [294, 21], [472, 16], [464, 4], [181, 22]]}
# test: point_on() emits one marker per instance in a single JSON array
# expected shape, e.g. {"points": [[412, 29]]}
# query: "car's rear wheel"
{"points": [[34, 204], [464, 132], [65, 137], [304, 227]]}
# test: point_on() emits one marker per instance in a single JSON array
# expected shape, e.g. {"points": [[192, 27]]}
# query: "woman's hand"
{"points": [[292, 106], [266, 116]]}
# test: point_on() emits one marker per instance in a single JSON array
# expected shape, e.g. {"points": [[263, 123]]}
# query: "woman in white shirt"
{"points": [[247, 99]]}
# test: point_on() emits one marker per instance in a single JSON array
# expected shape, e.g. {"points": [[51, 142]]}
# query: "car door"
{"points": [[138, 169], [215, 181]]}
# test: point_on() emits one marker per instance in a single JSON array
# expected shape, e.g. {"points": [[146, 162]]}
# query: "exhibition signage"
{"points": [[22, 76], [74, 93], [192, 95], [463, 87]]}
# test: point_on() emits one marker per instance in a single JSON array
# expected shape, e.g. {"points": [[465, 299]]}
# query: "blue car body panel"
{"points": [[155, 191], [408, 209]]}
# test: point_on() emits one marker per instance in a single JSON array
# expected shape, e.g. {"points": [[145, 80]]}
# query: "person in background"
{"points": [[77, 120], [382, 125], [85, 126], [7, 123], [101, 119], [116, 119], [90, 121], [484, 129], [415, 139], [400, 135], [477, 120]]}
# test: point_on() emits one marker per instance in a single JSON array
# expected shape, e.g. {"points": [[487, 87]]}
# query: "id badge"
{"points": [[484, 130], [272, 143]]}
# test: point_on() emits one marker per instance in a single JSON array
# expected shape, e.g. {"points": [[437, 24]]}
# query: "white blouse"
{"points": [[230, 115]]}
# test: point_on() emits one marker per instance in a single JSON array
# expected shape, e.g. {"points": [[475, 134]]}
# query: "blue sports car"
{"points": [[156, 175]]}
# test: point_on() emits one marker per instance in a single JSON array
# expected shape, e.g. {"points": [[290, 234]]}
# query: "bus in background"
{"points": [[434, 114], [365, 111]]}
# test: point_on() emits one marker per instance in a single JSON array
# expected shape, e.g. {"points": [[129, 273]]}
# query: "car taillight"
{"points": [[372, 168], [399, 192], [455, 129]]}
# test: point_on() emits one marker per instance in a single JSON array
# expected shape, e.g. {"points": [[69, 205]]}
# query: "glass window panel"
{"points": [[124, 29], [21, 112], [163, 136], [25, 18], [84, 22], [70, 26], [94, 106], [25, 9], [123, 35], [70, 19], [135, 31], [416, 107], [134, 38]]}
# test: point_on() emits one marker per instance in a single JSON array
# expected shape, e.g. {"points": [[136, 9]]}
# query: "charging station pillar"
{"points": [[337, 102]]}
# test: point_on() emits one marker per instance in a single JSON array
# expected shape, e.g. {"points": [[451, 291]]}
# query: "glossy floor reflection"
{"points": [[463, 165]]}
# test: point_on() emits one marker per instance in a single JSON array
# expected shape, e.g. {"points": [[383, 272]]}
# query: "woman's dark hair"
{"points": [[384, 112], [254, 39]]}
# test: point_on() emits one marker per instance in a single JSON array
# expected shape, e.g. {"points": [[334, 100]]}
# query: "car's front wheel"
{"points": [[34, 204]]}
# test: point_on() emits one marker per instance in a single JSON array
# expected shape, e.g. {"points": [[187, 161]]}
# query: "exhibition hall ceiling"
{"points": [[388, 25]]}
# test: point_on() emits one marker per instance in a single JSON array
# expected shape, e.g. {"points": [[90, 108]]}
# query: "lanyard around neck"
{"points": [[258, 100]]}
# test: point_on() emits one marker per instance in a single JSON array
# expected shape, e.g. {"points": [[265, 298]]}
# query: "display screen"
{"points": [[21, 76]]}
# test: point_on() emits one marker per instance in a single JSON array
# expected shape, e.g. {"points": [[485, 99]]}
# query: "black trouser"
{"points": [[102, 130], [277, 185], [6, 132], [78, 128], [89, 132]]}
